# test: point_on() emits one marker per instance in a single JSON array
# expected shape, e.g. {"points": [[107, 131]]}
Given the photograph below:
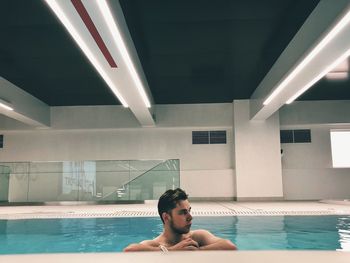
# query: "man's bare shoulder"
{"points": [[146, 245], [154, 242], [203, 237], [201, 232]]}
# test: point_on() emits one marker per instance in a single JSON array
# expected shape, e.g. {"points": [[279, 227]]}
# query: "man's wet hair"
{"points": [[169, 199]]}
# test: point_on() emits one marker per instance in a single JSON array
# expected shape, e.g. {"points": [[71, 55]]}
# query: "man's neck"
{"points": [[171, 237]]}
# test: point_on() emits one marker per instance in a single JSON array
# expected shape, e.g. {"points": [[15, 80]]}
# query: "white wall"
{"points": [[91, 133], [116, 145], [307, 167], [109, 133], [209, 183], [257, 151], [315, 113]]}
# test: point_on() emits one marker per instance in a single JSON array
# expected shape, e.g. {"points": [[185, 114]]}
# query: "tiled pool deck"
{"points": [[198, 209]]}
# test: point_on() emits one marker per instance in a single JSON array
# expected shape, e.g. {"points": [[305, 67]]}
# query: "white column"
{"points": [[257, 155]]}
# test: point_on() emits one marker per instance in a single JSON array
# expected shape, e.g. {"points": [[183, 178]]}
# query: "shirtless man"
{"points": [[174, 210]]}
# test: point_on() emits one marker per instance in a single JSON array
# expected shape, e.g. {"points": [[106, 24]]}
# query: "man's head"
{"points": [[169, 200], [174, 210]]}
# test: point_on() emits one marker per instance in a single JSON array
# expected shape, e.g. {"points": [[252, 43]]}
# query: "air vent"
{"points": [[1, 141], [302, 136], [208, 137], [217, 137], [286, 136], [295, 136], [200, 137]]}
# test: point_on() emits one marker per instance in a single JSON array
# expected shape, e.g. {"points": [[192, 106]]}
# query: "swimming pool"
{"points": [[113, 234]]}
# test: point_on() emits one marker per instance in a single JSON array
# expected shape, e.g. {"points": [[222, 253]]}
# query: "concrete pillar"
{"points": [[257, 155]]}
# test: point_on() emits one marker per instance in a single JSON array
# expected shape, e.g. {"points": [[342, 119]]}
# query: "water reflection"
{"points": [[343, 227]]}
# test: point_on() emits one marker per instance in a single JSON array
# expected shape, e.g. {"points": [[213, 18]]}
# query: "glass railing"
{"points": [[4, 183], [151, 184], [87, 180]]}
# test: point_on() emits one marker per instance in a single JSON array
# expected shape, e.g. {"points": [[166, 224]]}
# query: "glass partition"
{"points": [[152, 183], [4, 183], [109, 180]]}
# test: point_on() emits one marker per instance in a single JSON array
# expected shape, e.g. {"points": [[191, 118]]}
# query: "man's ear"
{"points": [[165, 216]]}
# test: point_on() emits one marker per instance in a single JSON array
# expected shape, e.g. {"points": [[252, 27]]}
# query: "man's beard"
{"points": [[177, 230]]}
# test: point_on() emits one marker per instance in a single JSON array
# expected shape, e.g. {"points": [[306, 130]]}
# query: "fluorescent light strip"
{"points": [[337, 75], [340, 25], [116, 35], [319, 76], [5, 106], [74, 33]]}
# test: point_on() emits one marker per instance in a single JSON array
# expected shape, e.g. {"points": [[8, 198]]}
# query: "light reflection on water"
{"points": [[343, 227], [113, 234]]}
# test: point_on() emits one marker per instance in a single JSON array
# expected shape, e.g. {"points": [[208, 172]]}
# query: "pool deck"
{"points": [[198, 209], [190, 257]]}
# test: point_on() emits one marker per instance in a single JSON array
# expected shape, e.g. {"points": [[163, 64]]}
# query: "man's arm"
{"points": [[147, 245], [151, 245], [207, 241]]}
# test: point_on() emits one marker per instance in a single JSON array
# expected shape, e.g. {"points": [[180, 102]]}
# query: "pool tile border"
{"points": [[123, 213]]}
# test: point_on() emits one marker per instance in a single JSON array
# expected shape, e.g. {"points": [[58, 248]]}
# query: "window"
{"points": [[1, 141], [340, 144]]}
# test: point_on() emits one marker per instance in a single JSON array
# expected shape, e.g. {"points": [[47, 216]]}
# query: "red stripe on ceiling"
{"points": [[93, 31]]}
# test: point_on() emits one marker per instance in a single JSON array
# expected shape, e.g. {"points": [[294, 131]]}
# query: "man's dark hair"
{"points": [[169, 199]]}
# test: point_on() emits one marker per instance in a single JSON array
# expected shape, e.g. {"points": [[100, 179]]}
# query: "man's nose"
{"points": [[189, 217]]}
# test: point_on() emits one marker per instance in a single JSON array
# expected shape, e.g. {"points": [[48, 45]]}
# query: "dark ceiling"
{"points": [[192, 51]]}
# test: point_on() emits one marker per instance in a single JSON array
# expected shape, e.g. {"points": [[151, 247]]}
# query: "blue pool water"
{"points": [[113, 234]]}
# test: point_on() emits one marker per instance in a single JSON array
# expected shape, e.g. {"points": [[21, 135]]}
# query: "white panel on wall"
{"points": [[340, 142]]}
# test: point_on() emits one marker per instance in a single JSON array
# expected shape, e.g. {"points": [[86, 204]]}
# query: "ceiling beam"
{"points": [[104, 46], [318, 25], [26, 108]]}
